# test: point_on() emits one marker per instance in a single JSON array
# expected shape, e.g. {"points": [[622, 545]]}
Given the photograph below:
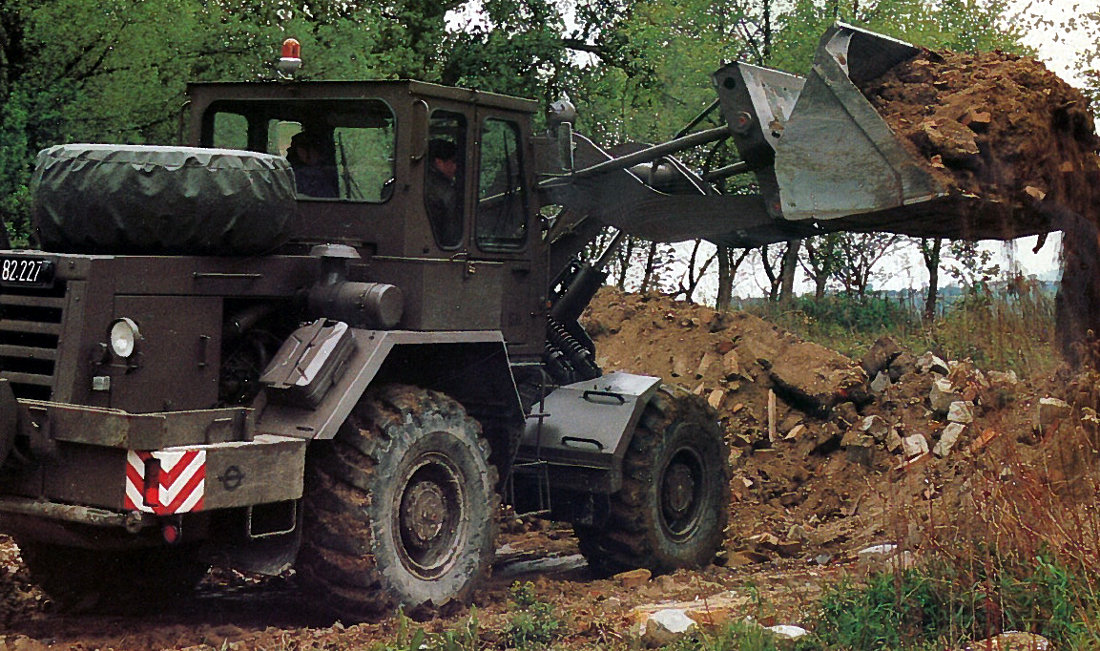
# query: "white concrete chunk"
{"points": [[1049, 412], [948, 438], [942, 395], [914, 445], [961, 411], [665, 627]]}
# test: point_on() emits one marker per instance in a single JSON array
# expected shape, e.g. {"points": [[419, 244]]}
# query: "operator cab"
{"points": [[392, 167]]}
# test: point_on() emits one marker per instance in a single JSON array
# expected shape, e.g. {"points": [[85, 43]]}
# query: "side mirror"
{"points": [[182, 125], [418, 145], [566, 146]]}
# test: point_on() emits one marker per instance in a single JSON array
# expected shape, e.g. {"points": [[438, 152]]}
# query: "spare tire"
{"points": [[138, 199]]}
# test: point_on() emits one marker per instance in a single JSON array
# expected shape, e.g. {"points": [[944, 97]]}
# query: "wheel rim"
{"points": [[430, 516], [681, 493]]}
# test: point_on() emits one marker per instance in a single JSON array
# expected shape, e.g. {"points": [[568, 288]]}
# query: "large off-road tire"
{"points": [[136, 581], [161, 199], [673, 506], [400, 508]]}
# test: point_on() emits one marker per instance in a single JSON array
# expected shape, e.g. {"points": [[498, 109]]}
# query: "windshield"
{"points": [[339, 149]]}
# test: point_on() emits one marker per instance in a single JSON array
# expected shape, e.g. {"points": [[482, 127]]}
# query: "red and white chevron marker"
{"points": [[165, 481]]}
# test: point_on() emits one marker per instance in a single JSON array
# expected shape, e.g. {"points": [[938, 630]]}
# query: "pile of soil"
{"points": [[995, 125], [813, 478]]}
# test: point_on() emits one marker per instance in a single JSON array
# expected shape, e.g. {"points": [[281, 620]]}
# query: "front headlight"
{"points": [[124, 337]]}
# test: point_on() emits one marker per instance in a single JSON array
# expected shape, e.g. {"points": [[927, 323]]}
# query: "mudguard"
{"points": [[585, 429], [470, 366]]}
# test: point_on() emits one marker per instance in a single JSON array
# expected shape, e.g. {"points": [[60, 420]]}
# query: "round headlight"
{"points": [[124, 336]]}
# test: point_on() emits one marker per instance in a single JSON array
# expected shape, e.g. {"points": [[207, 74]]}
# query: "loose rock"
{"points": [[961, 411], [1049, 413], [929, 363], [948, 438], [665, 627], [914, 445], [942, 395]]}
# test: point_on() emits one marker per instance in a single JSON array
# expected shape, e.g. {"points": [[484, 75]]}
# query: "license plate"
{"points": [[26, 272]]}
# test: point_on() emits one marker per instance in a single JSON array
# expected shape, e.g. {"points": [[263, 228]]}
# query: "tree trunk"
{"points": [[725, 280], [787, 272], [624, 258], [650, 264], [932, 261]]}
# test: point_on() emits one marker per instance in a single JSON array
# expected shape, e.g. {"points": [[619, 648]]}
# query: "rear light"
{"points": [[171, 533]]}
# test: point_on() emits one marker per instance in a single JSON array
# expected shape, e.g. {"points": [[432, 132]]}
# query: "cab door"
{"points": [[506, 228]]}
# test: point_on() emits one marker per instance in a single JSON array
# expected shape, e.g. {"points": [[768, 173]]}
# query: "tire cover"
{"points": [[139, 199]]}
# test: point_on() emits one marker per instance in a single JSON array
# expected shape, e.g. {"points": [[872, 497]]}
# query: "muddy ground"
{"points": [[811, 487]]}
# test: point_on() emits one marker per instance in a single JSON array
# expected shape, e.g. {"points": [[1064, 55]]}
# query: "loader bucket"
{"points": [[837, 156]]}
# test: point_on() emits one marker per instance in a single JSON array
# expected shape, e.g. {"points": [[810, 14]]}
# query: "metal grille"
{"points": [[30, 331]]}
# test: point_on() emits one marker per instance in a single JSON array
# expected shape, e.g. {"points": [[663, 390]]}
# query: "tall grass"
{"points": [[1010, 327]]}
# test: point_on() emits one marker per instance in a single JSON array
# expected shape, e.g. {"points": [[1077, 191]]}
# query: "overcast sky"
{"points": [[1058, 46]]}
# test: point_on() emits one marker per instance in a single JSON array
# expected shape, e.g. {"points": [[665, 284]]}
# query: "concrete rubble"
{"points": [[942, 395], [914, 445], [1011, 641], [1049, 413], [665, 627], [961, 411], [948, 438]]}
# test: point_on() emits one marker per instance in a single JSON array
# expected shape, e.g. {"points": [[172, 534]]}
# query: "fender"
{"points": [[470, 366], [586, 428]]}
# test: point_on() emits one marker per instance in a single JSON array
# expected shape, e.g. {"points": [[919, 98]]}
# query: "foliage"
{"points": [[535, 624], [941, 602], [737, 634], [1016, 319], [464, 637], [848, 324], [1017, 326], [891, 611]]}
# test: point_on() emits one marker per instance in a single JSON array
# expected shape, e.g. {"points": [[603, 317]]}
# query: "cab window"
{"points": [[501, 222], [444, 177], [339, 150]]}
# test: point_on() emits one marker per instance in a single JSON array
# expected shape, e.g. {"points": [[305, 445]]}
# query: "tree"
{"points": [[694, 272], [859, 256], [773, 259], [820, 260], [930, 249], [729, 261]]}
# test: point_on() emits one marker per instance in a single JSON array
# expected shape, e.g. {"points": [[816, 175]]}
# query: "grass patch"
{"points": [[1016, 327]]}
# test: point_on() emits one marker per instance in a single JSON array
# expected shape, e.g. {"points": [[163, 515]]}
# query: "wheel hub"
{"points": [[678, 491], [682, 493], [430, 515], [422, 513]]}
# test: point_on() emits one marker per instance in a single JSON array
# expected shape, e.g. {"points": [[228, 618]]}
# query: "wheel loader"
{"points": [[214, 356]]}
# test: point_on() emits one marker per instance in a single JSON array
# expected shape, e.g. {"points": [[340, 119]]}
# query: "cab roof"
{"points": [[206, 92]]}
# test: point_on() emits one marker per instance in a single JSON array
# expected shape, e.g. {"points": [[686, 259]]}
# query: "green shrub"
{"points": [[463, 637], [1009, 329], [535, 624], [742, 636]]}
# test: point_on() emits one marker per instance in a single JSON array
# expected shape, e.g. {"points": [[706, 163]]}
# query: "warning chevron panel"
{"points": [[165, 481]]}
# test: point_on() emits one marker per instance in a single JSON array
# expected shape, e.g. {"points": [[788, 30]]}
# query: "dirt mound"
{"points": [[995, 125], [821, 460]]}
